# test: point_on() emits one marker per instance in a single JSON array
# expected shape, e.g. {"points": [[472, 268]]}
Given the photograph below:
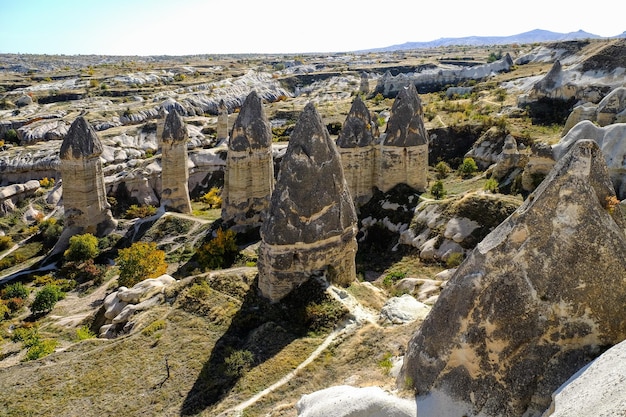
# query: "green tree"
{"points": [[82, 247], [442, 169], [142, 260], [15, 290], [491, 185], [437, 190], [46, 298], [468, 167]]}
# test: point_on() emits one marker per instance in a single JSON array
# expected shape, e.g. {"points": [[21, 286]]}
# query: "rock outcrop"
{"points": [[86, 209], [611, 141], [347, 401], [404, 149], [12, 194], [311, 223], [612, 109], [539, 298], [174, 169], [249, 174], [222, 121], [357, 147]]}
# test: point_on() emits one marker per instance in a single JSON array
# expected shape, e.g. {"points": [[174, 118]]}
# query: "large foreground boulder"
{"points": [[539, 298]]}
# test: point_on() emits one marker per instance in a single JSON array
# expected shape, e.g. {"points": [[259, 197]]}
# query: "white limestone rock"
{"points": [[402, 310]]}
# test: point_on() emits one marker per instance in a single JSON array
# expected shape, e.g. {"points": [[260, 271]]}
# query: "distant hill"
{"points": [[533, 36]]}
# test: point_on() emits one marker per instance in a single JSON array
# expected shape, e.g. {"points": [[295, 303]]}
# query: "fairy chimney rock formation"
{"points": [[174, 170], [365, 84], [222, 121], [86, 209], [249, 173], [356, 143], [403, 155], [311, 224], [539, 298]]}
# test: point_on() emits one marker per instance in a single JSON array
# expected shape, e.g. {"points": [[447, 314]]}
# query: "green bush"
{"points": [[437, 190], [212, 198], [40, 349], [4, 310], [468, 167], [320, 317], [5, 242], [82, 248], [154, 327], [84, 333], [491, 185], [46, 298], [15, 290], [238, 362], [442, 170]]}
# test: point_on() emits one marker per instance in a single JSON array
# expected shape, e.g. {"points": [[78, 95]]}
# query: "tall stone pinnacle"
{"points": [[357, 148], [404, 152], [85, 205], [311, 226], [174, 170], [249, 174], [222, 121]]}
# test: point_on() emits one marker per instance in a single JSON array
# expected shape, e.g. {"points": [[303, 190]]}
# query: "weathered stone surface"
{"points": [[586, 111], [540, 162], [86, 209], [357, 147], [12, 194], [596, 390], [611, 141], [222, 121], [347, 401], [612, 108], [311, 226], [404, 151], [249, 174], [403, 309], [538, 298], [174, 165]]}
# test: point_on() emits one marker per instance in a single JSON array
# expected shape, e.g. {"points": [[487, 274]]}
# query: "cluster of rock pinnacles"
{"points": [[533, 303]]}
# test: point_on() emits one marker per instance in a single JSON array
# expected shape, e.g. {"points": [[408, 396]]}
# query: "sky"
{"points": [[187, 27]]}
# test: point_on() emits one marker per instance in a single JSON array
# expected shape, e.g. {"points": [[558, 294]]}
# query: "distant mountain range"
{"points": [[533, 36]]}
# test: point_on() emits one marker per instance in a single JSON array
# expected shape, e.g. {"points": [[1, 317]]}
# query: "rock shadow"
{"points": [[257, 332]]}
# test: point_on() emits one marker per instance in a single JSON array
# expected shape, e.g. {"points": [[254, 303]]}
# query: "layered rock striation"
{"points": [[357, 146], [539, 298], [403, 152], [174, 169], [311, 223], [249, 173], [86, 209]]}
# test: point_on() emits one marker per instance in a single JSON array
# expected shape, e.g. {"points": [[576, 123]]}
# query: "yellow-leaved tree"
{"points": [[142, 260]]}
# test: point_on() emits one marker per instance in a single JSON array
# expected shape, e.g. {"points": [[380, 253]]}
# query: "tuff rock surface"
{"points": [[357, 147], [612, 144], [403, 155], [86, 209], [540, 297], [174, 166], [311, 223], [612, 109], [249, 174]]}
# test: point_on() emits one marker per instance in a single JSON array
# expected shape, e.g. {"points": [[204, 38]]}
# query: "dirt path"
{"points": [[357, 317]]}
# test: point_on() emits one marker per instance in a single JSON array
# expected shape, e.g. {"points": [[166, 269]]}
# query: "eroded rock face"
{"points": [[611, 141], [357, 148], [538, 298], [222, 121], [84, 195], [174, 169], [311, 224], [249, 174], [404, 151]]}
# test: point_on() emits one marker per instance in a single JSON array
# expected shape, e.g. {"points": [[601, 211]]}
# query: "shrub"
{"points": [[468, 167], [212, 198], [4, 310], [238, 362], [46, 298], [140, 261], [11, 136], [442, 169], [392, 277], [323, 316], [491, 185], [46, 182], [386, 363], [437, 190], [610, 203], [82, 247], [454, 260], [15, 290], [84, 333], [142, 211], [219, 252], [15, 304], [154, 327], [27, 334], [50, 231], [40, 349], [5, 242]]}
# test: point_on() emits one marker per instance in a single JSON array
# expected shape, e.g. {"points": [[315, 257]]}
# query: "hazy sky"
{"points": [[182, 27]]}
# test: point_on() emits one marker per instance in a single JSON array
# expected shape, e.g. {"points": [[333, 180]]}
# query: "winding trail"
{"points": [[357, 317]]}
